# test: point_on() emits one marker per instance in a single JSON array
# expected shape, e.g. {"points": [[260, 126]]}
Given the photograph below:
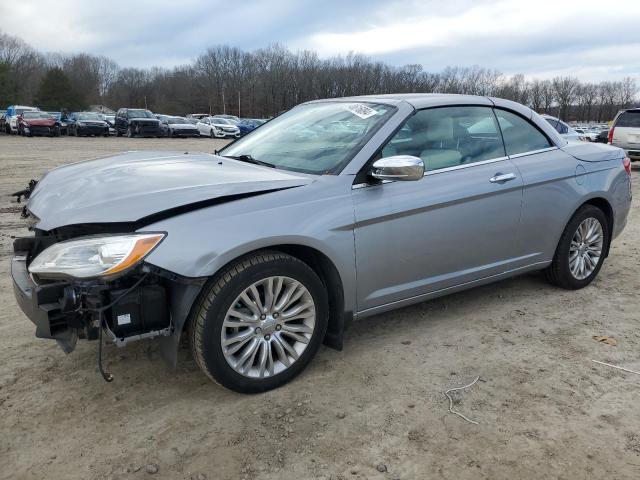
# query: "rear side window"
{"points": [[629, 119], [448, 137], [519, 135], [552, 122]]}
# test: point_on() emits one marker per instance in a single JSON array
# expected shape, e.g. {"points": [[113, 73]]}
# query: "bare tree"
{"points": [[565, 91], [267, 81]]}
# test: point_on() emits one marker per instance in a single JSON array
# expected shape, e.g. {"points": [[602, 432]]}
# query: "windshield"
{"points": [[316, 138], [220, 121], [89, 116], [177, 120], [139, 114], [20, 111], [35, 115]]}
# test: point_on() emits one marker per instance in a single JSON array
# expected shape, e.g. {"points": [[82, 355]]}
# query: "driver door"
{"points": [[456, 225]]}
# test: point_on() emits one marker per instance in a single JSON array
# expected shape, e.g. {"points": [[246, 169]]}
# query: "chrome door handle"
{"points": [[502, 177]]}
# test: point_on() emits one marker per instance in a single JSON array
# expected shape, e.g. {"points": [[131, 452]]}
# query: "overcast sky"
{"points": [[594, 40]]}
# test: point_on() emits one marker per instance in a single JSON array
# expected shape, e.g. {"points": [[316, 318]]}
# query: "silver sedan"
{"points": [[332, 212]]}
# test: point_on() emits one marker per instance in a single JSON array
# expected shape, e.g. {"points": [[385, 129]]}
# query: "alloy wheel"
{"points": [[268, 327], [586, 248]]}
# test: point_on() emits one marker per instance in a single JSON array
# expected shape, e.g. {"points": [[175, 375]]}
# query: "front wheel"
{"points": [[129, 132], [259, 323], [581, 250]]}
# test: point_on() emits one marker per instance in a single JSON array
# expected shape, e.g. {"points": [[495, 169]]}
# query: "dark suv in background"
{"points": [[134, 122], [625, 133]]}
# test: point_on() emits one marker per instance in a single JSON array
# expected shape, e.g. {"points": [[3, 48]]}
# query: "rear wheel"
{"points": [[580, 252], [259, 323]]}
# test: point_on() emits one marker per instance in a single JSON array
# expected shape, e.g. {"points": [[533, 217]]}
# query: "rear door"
{"points": [[549, 176], [456, 225]]}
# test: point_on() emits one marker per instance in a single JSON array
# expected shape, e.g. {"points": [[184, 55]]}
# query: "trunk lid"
{"points": [[593, 152]]}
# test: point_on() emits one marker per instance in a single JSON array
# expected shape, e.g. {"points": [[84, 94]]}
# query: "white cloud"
{"points": [[539, 38]]}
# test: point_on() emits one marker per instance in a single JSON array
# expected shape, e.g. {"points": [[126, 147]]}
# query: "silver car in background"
{"points": [[334, 211], [564, 129]]}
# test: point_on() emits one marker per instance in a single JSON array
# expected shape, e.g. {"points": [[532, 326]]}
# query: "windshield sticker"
{"points": [[361, 110]]}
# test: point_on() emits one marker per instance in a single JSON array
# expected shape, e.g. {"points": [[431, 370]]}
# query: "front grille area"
{"points": [[40, 130], [93, 129], [185, 133]]}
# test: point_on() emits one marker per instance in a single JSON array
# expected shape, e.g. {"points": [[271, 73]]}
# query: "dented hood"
{"points": [[135, 185]]}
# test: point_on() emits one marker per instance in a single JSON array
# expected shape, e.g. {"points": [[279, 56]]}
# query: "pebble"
{"points": [[406, 342], [200, 476], [411, 405], [381, 467], [151, 468], [341, 415]]}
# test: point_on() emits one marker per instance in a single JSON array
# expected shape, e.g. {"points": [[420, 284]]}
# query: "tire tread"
{"points": [[197, 321]]}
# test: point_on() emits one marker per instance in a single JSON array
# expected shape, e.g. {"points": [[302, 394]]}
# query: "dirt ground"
{"points": [[374, 411]]}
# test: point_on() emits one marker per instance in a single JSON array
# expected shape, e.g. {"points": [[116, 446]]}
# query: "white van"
{"points": [[625, 133]]}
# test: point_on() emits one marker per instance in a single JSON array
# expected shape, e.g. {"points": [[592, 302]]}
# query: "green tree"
{"points": [[7, 85], [56, 92]]}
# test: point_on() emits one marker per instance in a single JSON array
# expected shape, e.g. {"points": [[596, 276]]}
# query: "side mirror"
{"points": [[398, 167]]}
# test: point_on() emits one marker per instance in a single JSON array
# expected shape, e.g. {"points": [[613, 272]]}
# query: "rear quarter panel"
{"points": [[556, 184]]}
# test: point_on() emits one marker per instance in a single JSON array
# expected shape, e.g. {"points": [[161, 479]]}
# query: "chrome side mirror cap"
{"points": [[398, 167]]}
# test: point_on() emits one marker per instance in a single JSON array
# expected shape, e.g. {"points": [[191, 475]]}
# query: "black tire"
{"points": [[76, 132], [559, 273], [211, 134], [56, 132], [130, 133], [205, 323], [118, 133]]}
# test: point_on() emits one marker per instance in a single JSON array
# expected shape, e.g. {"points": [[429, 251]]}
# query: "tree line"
{"points": [[264, 82]]}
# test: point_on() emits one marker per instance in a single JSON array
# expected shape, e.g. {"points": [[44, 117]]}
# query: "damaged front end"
{"points": [[140, 302]]}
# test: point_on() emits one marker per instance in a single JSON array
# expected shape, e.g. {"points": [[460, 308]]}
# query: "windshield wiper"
{"points": [[250, 159]]}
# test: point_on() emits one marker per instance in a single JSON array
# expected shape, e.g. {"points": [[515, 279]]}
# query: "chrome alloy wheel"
{"points": [[268, 327], [586, 248]]}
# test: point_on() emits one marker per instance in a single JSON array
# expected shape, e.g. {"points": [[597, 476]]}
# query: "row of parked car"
{"points": [[132, 122], [624, 131]]}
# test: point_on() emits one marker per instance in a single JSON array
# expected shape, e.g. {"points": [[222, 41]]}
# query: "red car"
{"points": [[38, 123]]}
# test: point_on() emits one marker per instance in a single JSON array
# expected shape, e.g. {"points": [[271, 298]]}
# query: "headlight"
{"points": [[94, 257], [80, 124]]}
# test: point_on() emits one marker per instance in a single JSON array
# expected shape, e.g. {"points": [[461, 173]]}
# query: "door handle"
{"points": [[502, 177]]}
